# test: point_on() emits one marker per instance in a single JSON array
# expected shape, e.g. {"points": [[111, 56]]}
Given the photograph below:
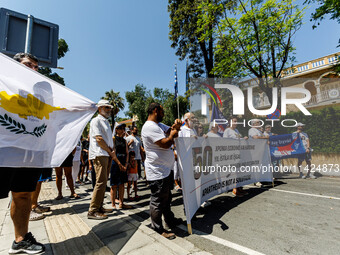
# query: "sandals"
{"points": [[124, 206], [42, 209], [75, 196], [36, 216], [178, 188], [59, 197]]}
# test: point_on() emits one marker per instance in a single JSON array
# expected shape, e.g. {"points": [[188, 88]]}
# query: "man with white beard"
{"points": [[101, 151]]}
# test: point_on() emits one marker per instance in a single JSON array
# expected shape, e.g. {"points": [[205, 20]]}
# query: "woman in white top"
{"points": [[232, 132]]}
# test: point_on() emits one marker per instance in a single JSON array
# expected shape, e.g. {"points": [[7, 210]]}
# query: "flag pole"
{"points": [[176, 91], [187, 83], [178, 108]]}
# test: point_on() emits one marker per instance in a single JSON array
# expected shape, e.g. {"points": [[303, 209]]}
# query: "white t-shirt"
{"points": [[211, 134], [267, 133], [99, 126], [77, 153], [304, 138], [135, 145], [254, 132], [232, 133], [186, 132], [159, 161]]}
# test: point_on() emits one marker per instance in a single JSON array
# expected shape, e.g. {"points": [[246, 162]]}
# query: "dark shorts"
{"points": [[117, 177], [68, 162], [46, 174], [18, 180], [307, 157]]}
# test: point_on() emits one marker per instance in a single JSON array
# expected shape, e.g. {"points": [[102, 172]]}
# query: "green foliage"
{"points": [[321, 128], [54, 76], [326, 7], [140, 98], [62, 50], [254, 38], [187, 38], [137, 101]]}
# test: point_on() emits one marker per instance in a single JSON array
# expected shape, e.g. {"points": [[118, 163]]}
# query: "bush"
{"points": [[323, 128]]}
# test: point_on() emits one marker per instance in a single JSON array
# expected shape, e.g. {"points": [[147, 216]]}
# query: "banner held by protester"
{"points": [[211, 166], [41, 121], [286, 146]]}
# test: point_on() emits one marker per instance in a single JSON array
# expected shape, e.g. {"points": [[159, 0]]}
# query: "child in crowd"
{"points": [[132, 175]]}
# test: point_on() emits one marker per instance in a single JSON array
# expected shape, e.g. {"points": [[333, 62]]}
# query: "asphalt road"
{"points": [[295, 217]]}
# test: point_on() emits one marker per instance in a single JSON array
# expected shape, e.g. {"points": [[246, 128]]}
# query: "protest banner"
{"points": [[211, 166], [286, 146], [41, 121]]}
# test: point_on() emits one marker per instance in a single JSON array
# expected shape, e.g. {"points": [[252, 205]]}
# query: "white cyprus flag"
{"points": [[41, 121]]}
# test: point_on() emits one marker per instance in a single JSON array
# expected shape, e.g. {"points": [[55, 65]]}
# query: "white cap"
{"points": [[300, 124], [104, 102]]}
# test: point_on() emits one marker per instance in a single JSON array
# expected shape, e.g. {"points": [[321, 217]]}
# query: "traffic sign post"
{"points": [[24, 33]]}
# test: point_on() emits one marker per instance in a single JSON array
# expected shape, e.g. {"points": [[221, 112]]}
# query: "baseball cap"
{"points": [[300, 124]]}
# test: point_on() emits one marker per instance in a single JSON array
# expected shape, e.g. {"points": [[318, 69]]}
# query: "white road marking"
{"points": [[295, 192], [223, 242], [305, 194]]}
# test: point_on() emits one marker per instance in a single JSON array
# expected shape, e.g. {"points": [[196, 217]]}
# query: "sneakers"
{"points": [[301, 175], [312, 176], [96, 216], [29, 245]]}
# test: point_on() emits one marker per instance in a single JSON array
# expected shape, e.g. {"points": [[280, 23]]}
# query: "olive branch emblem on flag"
{"points": [[18, 128]]}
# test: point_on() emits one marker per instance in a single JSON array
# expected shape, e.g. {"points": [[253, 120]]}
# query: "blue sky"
{"points": [[118, 44]]}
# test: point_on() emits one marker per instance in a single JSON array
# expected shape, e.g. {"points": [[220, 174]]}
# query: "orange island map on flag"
{"points": [[24, 107]]}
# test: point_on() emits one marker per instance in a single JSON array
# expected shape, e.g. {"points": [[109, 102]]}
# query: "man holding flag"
{"points": [[22, 182]]}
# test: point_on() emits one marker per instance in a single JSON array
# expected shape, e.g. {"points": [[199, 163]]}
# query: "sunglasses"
{"points": [[31, 65]]}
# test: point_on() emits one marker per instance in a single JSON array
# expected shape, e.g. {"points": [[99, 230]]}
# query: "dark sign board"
{"points": [[24, 33]]}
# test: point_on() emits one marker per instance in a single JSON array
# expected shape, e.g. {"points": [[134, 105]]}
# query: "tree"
{"points": [[140, 98], [116, 101], [254, 38], [138, 101], [187, 39], [62, 50], [326, 7]]}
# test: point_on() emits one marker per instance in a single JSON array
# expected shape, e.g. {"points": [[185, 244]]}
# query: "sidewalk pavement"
{"points": [[66, 229]]}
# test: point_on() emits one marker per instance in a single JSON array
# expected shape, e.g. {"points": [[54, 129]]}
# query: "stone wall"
{"points": [[320, 162]]}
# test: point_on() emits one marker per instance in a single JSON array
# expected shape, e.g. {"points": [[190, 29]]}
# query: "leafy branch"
{"points": [[19, 128]]}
